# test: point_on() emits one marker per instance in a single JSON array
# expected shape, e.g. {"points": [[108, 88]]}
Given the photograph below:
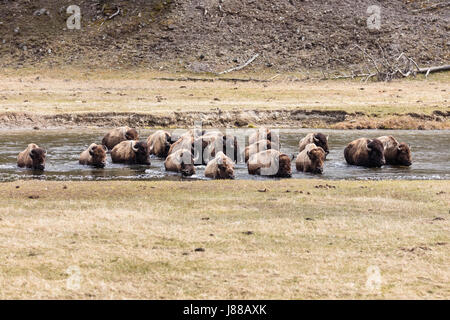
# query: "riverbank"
{"points": [[288, 239], [74, 98]]}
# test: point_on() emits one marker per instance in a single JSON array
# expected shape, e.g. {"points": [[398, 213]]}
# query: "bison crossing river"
{"points": [[220, 152]]}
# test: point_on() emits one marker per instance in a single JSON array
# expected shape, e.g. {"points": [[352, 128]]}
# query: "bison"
{"points": [[256, 147], [221, 167], [94, 156], [365, 152], [395, 153], [131, 152], [319, 139], [264, 134], [213, 143], [184, 142], [159, 143], [32, 157], [270, 163], [117, 135], [180, 161], [311, 159]]}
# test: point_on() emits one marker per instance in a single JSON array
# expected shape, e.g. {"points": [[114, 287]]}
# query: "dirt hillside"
{"points": [[214, 35]]}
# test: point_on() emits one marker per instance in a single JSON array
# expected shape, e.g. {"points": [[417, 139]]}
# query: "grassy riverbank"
{"points": [[43, 97], [236, 239]]}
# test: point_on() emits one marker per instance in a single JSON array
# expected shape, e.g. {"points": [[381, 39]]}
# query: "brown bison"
{"points": [[256, 147], [395, 153], [159, 143], [365, 152], [221, 167], [270, 163], [184, 142], [180, 161], [94, 156], [117, 135], [32, 157], [319, 139], [213, 143], [264, 134], [131, 152], [311, 159]]}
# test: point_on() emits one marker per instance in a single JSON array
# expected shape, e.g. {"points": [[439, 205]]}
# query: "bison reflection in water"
{"points": [[32, 157], [131, 152], [365, 152], [396, 153]]}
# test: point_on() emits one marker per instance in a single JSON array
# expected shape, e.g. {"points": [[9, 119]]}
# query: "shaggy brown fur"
{"points": [[365, 152], [132, 152], [117, 135], [159, 143], [270, 163], [311, 159], [32, 157], [256, 147], [221, 167], [319, 139], [94, 156], [180, 161], [396, 153], [264, 134]]}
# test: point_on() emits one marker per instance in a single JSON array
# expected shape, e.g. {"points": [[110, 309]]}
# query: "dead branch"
{"points": [[114, 14], [429, 70], [241, 66]]}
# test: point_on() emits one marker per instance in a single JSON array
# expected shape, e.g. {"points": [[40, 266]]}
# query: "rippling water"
{"points": [[430, 150]]}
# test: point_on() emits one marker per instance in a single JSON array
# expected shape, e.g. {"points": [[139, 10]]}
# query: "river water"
{"points": [[430, 151]]}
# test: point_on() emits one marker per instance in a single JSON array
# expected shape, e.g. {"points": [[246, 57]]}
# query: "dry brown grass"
{"points": [[138, 239], [75, 91]]}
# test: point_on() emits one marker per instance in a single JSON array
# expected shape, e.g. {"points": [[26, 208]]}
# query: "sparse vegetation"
{"points": [[281, 239], [407, 104]]}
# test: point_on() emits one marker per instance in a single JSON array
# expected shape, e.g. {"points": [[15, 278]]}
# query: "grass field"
{"points": [[51, 91], [286, 239]]}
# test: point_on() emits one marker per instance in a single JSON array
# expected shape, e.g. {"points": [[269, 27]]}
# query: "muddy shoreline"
{"points": [[438, 120]]}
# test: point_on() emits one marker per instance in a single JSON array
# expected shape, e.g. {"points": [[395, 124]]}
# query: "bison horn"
{"points": [[315, 139], [133, 146]]}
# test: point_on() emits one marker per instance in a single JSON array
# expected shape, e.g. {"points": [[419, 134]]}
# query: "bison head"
{"points": [[226, 170], [321, 140], [187, 163], [131, 134], [284, 166], [98, 154], [37, 156], [375, 152], [140, 150], [403, 155], [317, 157]]}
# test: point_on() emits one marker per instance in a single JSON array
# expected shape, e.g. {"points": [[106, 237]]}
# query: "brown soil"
{"points": [[242, 118], [212, 36]]}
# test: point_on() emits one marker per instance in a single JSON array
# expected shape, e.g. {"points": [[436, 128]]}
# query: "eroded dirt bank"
{"points": [[218, 118]]}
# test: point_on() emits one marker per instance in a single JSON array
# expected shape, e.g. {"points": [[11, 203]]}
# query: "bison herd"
{"points": [[219, 152]]}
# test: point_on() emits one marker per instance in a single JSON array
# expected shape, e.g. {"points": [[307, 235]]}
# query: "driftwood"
{"points": [[429, 70], [241, 66]]}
